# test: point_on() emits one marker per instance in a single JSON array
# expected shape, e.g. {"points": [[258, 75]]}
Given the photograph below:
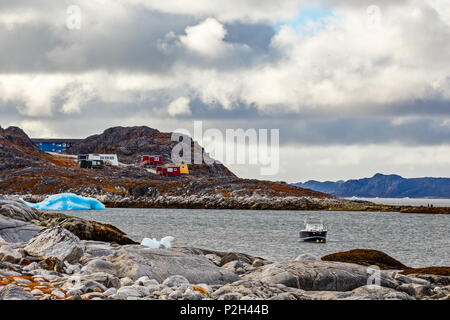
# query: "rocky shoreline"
{"points": [[112, 200], [40, 259]]}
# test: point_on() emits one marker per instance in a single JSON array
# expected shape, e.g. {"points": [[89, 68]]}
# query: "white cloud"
{"points": [[205, 38], [179, 106]]}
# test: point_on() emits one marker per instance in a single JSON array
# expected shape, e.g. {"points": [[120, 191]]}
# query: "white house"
{"points": [[107, 158]]}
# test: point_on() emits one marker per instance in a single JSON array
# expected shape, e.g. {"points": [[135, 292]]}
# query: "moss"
{"points": [[366, 257], [441, 271]]}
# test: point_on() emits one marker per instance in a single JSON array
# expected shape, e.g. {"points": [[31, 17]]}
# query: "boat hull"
{"points": [[313, 236]]}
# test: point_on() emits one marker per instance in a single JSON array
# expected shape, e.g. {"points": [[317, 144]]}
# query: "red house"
{"points": [[169, 171], [153, 160]]}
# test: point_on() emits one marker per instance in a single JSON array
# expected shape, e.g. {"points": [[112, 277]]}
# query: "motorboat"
{"points": [[314, 231]]}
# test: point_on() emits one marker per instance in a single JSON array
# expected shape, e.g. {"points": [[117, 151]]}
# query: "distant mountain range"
{"points": [[384, 186]]}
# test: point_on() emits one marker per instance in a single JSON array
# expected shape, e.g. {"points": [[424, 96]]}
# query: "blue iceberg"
{"points": [[67, 201]]}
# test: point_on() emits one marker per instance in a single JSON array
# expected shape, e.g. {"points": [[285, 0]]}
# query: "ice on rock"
{"points": [[67, 201], [155, 244]]}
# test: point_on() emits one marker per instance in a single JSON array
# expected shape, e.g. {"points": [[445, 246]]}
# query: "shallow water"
{"points": [[408, 201], [416, 240]]}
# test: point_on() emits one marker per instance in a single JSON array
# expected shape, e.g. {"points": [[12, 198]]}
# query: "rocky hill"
{"points": [[17, 150], [130, 143], [384, 186], [33, 174]]}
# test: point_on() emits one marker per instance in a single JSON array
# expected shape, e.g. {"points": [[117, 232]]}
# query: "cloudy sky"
{"points": [[355, 87]]}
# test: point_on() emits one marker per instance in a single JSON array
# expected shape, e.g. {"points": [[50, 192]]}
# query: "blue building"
{"points": [[54, 145]]}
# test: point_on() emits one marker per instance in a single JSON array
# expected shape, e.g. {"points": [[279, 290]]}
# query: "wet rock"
{"points": [[317, 275], [56, 242], [236, 266], [175, 281], [52, 263], [13, 292], [83, 229], [10, 254], [13, 231], [233, 256], [126, 292], [100, 265], [415, 290], [307, 257], [138, 261]]}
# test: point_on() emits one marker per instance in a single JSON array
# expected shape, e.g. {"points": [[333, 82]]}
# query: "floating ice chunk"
{"points": [[67, 201], [166, 241], [155, 244]]}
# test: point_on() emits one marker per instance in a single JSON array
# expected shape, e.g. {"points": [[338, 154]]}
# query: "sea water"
{"points": [[417, 240]]}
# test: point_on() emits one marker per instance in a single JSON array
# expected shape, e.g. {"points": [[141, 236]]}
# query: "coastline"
{"points": [[51, 256], [246, 203]]}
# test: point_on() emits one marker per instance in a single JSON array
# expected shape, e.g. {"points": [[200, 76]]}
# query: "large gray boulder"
{"points": [[17, 210], [362, 293], [13, 292], [318, 275], [136, 261], [13, 231], [56, 242]]}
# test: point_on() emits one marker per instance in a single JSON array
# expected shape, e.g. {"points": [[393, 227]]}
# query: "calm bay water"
{"points": [[414, 239], [407, 201]]}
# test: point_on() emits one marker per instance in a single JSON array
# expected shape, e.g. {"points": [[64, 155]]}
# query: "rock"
{"points": [[13, 292], [317, 275], [100, 265], [415, 290], [175, 281], [213, 258], [259, 263], [97, 282], [92, 295], [253, 290], [36, 292], [56, 242], [52, 263], [177, 294], [366, 257], [83, 229], [190, 294], [236, 266], [232, 296], [406, 279], [233, 256], [372, 292], [58, 294], [138, 261], [439, 271], [125, 292], [13, 231], [74, 292], [17, 210], [126, 281], [307, 257], [110, 292], [10, 254]]}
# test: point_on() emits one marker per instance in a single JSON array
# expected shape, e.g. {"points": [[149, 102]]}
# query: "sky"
{"points": [[354, 87]]}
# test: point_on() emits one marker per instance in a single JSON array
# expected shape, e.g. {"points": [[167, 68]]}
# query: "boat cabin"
{"points": [[152, 160]]}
